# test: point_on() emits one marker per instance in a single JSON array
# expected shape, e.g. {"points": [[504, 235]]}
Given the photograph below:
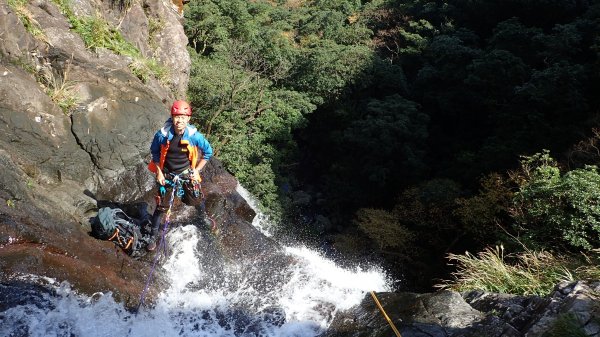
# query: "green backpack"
{"points": [[114, 225]]}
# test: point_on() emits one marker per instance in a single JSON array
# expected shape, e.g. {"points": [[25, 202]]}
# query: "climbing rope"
{"points": [[177, 191], [176, 183], [387, 318]]}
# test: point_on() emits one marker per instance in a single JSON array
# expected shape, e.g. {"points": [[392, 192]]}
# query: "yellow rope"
{"points": [[385, 315]]}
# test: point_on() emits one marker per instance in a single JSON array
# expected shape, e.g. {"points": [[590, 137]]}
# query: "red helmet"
{"points": [[181, 108]]}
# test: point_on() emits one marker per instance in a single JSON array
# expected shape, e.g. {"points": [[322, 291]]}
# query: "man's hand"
{"points": [[160, 177], [196, 174]]}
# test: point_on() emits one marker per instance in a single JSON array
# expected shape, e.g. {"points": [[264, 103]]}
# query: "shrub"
{"points": [[554, 210], [384, 228], [479, 214]]}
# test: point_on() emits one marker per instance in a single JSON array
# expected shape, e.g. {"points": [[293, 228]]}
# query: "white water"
{"points": [[233, 300], [260, 221]]}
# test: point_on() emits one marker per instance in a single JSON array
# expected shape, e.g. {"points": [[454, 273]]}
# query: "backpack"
{"points": [[114, 225]]}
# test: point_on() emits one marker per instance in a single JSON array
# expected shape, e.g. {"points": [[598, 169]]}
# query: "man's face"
{"points": [[180, 122]]}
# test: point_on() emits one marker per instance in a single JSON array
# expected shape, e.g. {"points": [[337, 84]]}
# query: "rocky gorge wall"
{"points": [[58, 166], [101, 143]]}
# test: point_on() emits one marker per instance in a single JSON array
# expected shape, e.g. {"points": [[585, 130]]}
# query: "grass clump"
{"points": [[24, 64], [525, 273], [31, 25], [58, 87], [590, 268], [97, 33], [144, 68], [61, 90], [154, 27]]}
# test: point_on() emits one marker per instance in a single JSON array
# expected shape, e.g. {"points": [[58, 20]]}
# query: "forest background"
{"points": [[407, 132]]}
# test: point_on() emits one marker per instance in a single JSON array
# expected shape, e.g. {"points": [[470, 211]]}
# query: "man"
{"points": [[178, 149]]}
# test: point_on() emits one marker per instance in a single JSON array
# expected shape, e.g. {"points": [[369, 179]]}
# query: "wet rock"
{"points": [[58, 166], [61, 166], [473, 314], [20, 293], [273, 315]]}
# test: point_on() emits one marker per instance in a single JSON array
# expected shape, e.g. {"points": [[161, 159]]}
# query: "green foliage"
{"points": [[556, 92], [557, 210], [481, 213], [206, 27], [398, 35], [425, 208], [331, 24], [494, 75], [377, 96], [261, 69], [513, 36], [417, 225], [513, 87], [386, 139], [248, 120], [328, 70], [415, 37], [528, 273], [395, 127], [144, 68], [385, 229], [97, 33]]}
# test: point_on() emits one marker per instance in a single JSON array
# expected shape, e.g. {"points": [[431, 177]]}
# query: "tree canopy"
{"points": [[366, 104]]}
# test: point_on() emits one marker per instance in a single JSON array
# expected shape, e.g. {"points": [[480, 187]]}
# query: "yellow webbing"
{"points": [[128, 243], [385, 315], [115, 234]]}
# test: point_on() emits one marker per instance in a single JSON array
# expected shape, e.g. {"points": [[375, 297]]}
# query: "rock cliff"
{"points": [[60, 164]]}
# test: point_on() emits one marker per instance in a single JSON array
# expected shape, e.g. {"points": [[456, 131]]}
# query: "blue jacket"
{"points": [[197, 145]]}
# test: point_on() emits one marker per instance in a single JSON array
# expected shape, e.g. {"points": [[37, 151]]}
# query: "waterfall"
{"points": [[293, 292]]}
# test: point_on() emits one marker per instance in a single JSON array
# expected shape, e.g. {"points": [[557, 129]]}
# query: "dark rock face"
{"points": [[438, 314], [534, 316], [473, 314], [58, 167]]}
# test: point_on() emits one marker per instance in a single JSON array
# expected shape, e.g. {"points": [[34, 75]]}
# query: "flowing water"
{"points": [[294, 292]]}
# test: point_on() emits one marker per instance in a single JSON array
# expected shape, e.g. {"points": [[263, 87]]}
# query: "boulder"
{"points": [[475, 313]]}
